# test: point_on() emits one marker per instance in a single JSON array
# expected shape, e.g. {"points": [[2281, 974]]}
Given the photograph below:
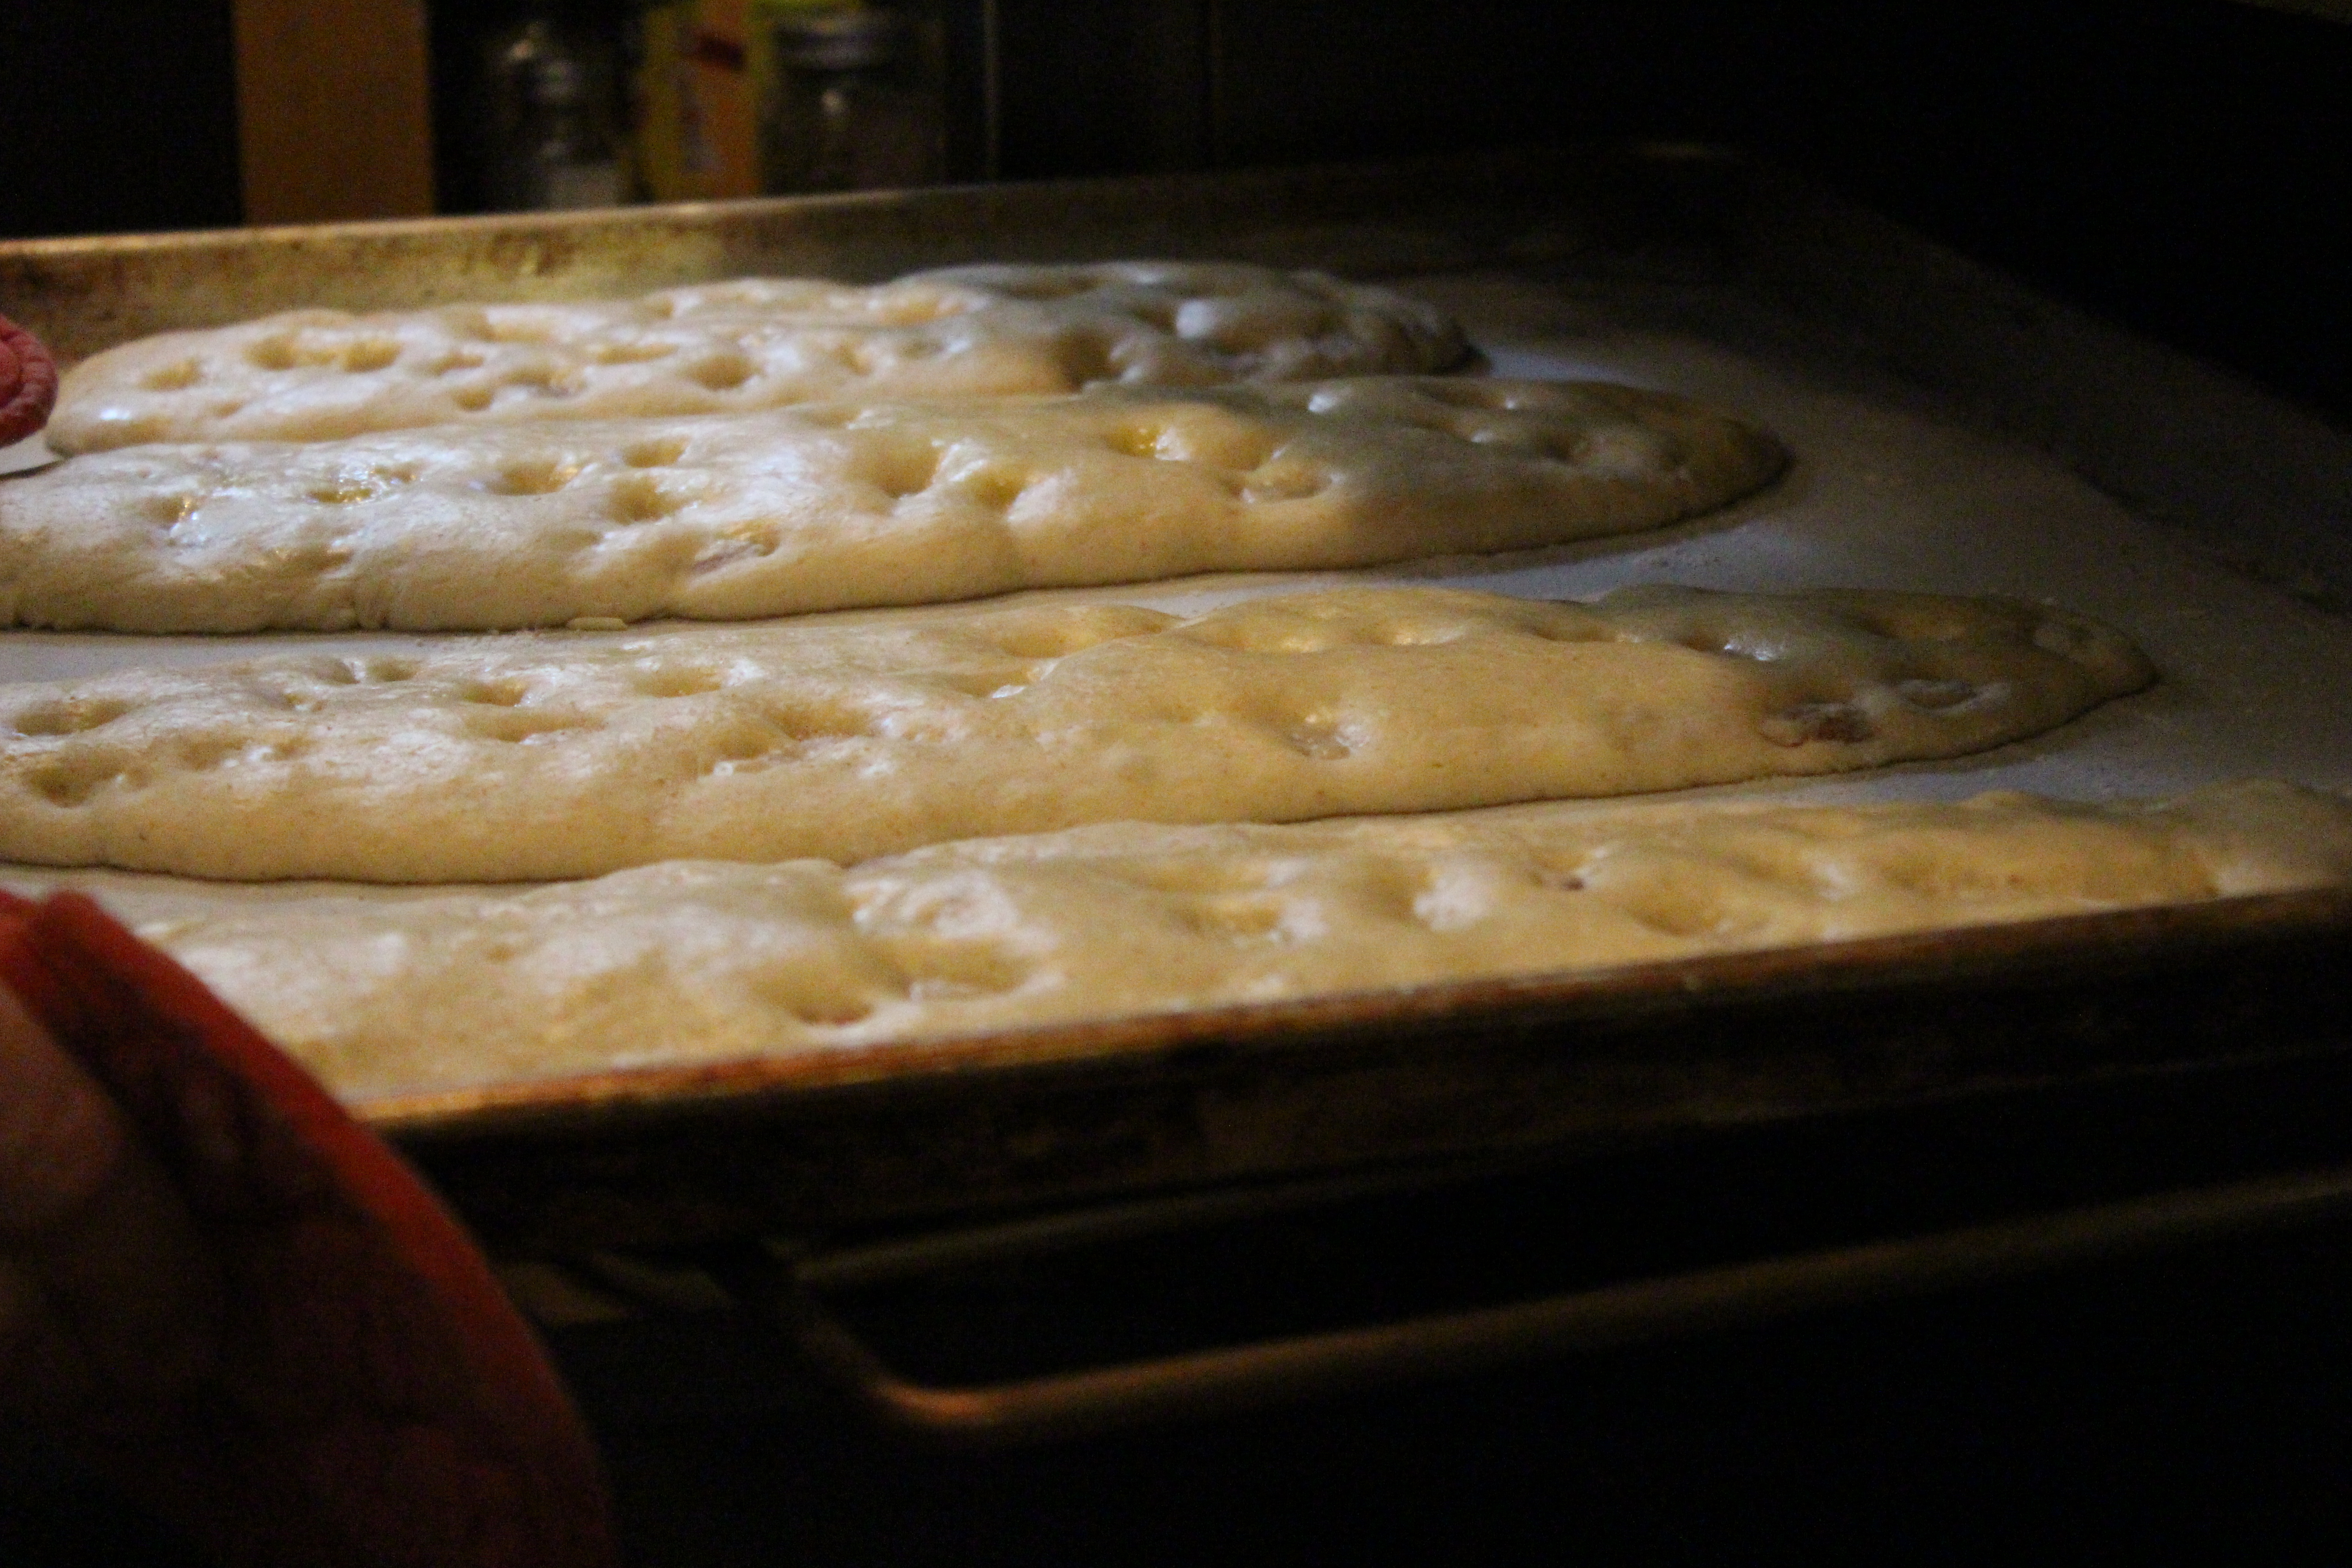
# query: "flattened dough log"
{"points": [[754, 342], [693, 963], [738, 516], [540, 757]]}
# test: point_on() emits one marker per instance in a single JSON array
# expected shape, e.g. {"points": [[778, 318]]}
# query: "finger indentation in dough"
{"points": [[1675, 910], [1810, 721], [1153, 311], [643, 498], [993, 488], [1198, 874], [1270, 634], [1450, 899], [1948, 877], [854, 356], [1084, 358], [722, 372], [1925, 621], [527, 726], [347, 487], [335, 671], [177, 376], [515, 326], [1318, 736], [1286, 481], [654, 451], [73, 716], [745, 748], [1052, 634], [170, 507], [1138, 440], [654, 680], [2062, 637], [795, 992], [819, 720], [1416, 633], [1237, 328], [723, 552], [634, 350], [508, 693], [902, 468], [538, 476], [369, 354], [292, 700], [1624, 452], [838, 1015], [1237, 917], [942, 969], [1224, 443], [201, 753], [1711, 640], [1466, 393], [1041, 285], [1246, 450], [71, 779], [997, 681], [1562, 878], [1937, 696], [1577, 629], [544, 379], [272, 352]]}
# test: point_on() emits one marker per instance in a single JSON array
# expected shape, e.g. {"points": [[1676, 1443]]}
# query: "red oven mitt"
{"points": [[370, 1397], [29, 383]]}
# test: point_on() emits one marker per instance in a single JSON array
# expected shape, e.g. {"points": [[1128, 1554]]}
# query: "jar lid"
{"points": [[839, 40]]}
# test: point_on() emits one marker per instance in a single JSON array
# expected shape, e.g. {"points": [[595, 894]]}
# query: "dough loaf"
{"points": [[737, 517], [756, 342], [541, 757], [698, 963]]}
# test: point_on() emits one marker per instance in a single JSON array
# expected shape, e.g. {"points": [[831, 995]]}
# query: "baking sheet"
{"points": [[1891, 487]]}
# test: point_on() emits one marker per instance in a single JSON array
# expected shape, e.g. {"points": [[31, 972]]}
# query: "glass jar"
{"points": [[846, 106], [550, 137]]}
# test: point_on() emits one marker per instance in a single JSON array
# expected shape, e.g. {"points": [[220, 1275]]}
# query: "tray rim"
{"points": [[1379, 1018]]}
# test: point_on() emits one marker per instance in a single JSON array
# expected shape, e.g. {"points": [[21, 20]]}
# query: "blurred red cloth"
{"points": [[376, 1399], [29, 383]]}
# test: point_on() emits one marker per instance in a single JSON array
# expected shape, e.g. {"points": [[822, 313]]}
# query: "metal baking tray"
{"points": [[1953, 431]]}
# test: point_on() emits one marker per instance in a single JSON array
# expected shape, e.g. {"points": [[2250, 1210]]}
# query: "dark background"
{"points": [[2178, 165]]}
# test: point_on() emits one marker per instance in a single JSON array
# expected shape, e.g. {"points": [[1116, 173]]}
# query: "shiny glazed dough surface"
{"points": [[753, 343], [539, 757], [835, 505], [688, 963]]}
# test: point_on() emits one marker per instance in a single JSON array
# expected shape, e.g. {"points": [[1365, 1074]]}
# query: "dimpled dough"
{"points": [[541, 757], [692, 963], [755, 342], [736, 517]]}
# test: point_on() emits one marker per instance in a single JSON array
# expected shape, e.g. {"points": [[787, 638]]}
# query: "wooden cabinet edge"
{"points": [[334, 109]]}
